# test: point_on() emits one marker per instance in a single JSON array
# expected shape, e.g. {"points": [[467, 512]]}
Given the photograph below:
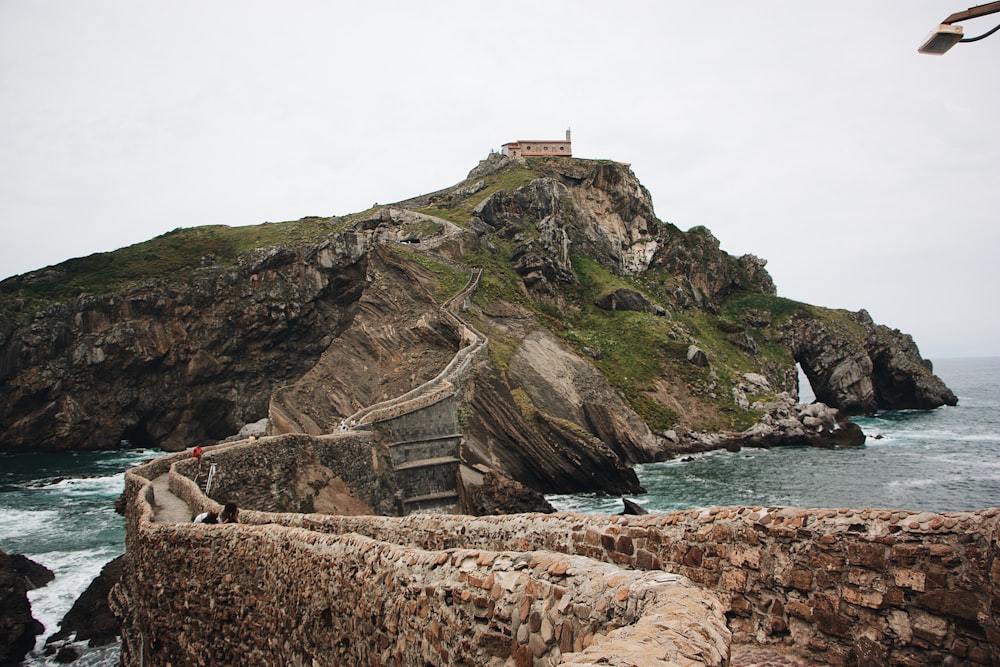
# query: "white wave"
{"points": [[74, 571], [914, 483], [16, 523], [103, 486]]}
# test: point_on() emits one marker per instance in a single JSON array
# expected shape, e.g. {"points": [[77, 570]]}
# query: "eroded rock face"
{"points": [[175, 366], [90, 617], [861, 367], [18, 628], [538, 449]]}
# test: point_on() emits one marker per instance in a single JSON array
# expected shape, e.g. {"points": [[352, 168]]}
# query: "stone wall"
{"points": [[288, 472], [873, 587], [866, 587], [280, 595]]}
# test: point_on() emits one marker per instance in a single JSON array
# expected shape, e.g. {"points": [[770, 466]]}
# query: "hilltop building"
{"points": [[538, 148]]}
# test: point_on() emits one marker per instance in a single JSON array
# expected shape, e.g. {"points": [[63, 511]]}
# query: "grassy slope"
{"points": [[171, 257]]}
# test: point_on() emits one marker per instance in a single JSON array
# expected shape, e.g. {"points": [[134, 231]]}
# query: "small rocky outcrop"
{"points": [[625, 299], [704, 274], [90, 618], [486, 491], [18, 628], [795, 424], [860, 367]]}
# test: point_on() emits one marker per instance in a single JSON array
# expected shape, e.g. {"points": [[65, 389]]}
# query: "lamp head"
{"points": [[942, 39]]}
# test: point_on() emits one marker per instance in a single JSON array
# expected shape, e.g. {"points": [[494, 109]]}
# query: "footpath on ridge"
{"points": [[168, 508]]}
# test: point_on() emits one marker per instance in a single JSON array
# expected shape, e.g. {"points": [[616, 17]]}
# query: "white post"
{"points": [[208, 484]]}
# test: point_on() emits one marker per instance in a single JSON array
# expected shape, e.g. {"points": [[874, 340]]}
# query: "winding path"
{"points": [[168, 508]]}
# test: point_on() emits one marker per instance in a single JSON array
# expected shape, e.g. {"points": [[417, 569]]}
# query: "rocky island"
{"points": [[532, 329]]}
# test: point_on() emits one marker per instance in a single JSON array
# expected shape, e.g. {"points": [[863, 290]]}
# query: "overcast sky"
{"points": [[809, 134]]}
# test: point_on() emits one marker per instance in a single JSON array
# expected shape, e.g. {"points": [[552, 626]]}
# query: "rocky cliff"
{"points": [[18, 628], [614, 337]]}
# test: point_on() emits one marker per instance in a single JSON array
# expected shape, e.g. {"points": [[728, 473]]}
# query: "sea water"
{"points": [[59, 510], [940, 460]]}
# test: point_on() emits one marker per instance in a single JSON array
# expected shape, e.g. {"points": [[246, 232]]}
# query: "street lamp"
{"points": [[947, 35]]}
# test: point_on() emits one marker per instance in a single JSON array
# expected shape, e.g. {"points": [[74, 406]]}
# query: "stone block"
{"points": [[867, 555], [645, 560], [826, 562], [930, 628], [912, 579], [799, 579], [799, 610], [693, 557], [862, 598], [733, 580], [907, 553], [963, 604], [746, 556]]}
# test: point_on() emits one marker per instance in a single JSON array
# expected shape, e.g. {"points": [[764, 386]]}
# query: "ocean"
{"points": [[940, 460], [58, 509]]}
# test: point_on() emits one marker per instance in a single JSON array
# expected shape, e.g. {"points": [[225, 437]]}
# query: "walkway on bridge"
{"points": [[168, 508]]}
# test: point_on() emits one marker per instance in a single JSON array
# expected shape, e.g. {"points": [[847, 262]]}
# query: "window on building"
{"points": [[545, 148]]}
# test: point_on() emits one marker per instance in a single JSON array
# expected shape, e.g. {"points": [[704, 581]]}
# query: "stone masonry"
{"points": [[864, 587]]}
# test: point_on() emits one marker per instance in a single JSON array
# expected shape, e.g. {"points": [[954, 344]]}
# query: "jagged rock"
{"points": [[18, 628], [697, 356], [490, 491], [90, 618], [540, 451], [860, 367], [35, 574], [710, 274], [624, 299], [744, 341], [563, 385], [257, 428], [632, 507], [814, 425]]}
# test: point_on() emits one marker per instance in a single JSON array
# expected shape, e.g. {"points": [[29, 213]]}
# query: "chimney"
{"points": [[567, 134]]}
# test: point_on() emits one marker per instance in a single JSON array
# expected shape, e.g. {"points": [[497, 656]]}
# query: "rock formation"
{"points": [[860, 367], [614, 337], [18, 628], [90, 618]]}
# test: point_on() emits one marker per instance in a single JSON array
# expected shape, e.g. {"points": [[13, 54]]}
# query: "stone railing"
{"points": [[272, 590], [871, 587], [474, 344]]}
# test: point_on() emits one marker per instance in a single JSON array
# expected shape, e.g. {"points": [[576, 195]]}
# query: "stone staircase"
{"points": [[422, 424]]}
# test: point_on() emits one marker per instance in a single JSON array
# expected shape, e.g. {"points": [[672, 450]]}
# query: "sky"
{"points": [[812, 135]]}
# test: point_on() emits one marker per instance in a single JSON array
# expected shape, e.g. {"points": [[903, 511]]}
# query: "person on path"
{"points": [[230, 513]]}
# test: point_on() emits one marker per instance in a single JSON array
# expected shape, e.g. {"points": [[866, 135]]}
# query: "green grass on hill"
{"points": [[450, 280], [461, 212], [171, 257]]}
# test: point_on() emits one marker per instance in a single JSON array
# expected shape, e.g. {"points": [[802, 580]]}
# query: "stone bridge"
{"points": [[697, 587]]}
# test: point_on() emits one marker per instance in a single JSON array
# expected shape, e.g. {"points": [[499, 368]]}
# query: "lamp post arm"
{"points": [[973, 13]]}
